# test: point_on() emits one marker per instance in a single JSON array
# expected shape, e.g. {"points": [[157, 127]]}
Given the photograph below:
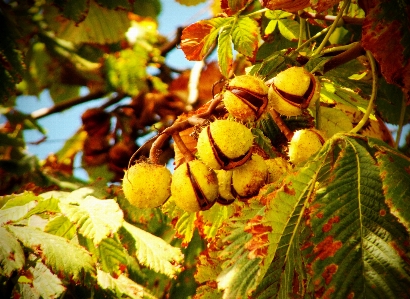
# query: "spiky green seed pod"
{"points": [[147, 185], [249, 178], [224, 144], [304, 144], [194, 186], [246, 97], [276, 168], [293, 90]]}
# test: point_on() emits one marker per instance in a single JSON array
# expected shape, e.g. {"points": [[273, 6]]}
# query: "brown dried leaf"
{"points": [[288, 5], [386, 33]]}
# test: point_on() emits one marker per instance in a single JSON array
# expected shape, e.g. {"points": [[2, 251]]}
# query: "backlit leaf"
{"points": [[94, 28], [61, 226], [46, 283], [121, 286], [198, 38], [225, 57], [289, 29], [334, 121], [73, 10], [70, 260], [245, 36], [152, 251], [11, 254], [95, 218]]}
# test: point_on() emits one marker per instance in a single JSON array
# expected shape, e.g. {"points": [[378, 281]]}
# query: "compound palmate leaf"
{"points": [[343, 239]]}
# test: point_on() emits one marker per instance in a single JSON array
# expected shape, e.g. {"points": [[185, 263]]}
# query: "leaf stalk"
{"points": [[369, 110]]}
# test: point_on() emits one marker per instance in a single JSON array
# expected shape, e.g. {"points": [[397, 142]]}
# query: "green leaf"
{"points": [[11, 254], [16, 213], [334, 121], [21, 199], [152, 251], [95, 218], [289, 29], [71, 147], [94, 28], [70, 260], [225, 56], [389, 101], [61, 226], [337, 236], [126, 70], [395, 172], [110, 255], [146, 8], [122, 286], [115, 4], [47, 284], [73, 10], [214, 218], [8, 140], [49, 205], [185, 227], [245, 36], [240, 269], [263, 141], [271, 26]]}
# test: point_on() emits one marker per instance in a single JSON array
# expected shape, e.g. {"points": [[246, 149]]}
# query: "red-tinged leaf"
{"points": [[246, 36], [198, 38], [323, 5], [231, 7], [225, 56], [288, 5], [259, 244], [386, 33]]}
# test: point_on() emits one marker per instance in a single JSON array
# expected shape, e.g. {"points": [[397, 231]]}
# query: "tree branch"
{"points": [[346, 20], [356, 51], [172, 44], [40, 113]]}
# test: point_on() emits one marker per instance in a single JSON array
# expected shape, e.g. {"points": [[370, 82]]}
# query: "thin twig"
{"points": [[346, 19], [168, 47], [332, 28], [180, 126], [40, 113], [401, 121], [369, 109], [353, 52]]}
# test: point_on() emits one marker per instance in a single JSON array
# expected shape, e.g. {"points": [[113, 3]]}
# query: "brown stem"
{"points": [[347, 20], [180, 126], [66, 104], [281, 124], [172, 44], [344, 57]]}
